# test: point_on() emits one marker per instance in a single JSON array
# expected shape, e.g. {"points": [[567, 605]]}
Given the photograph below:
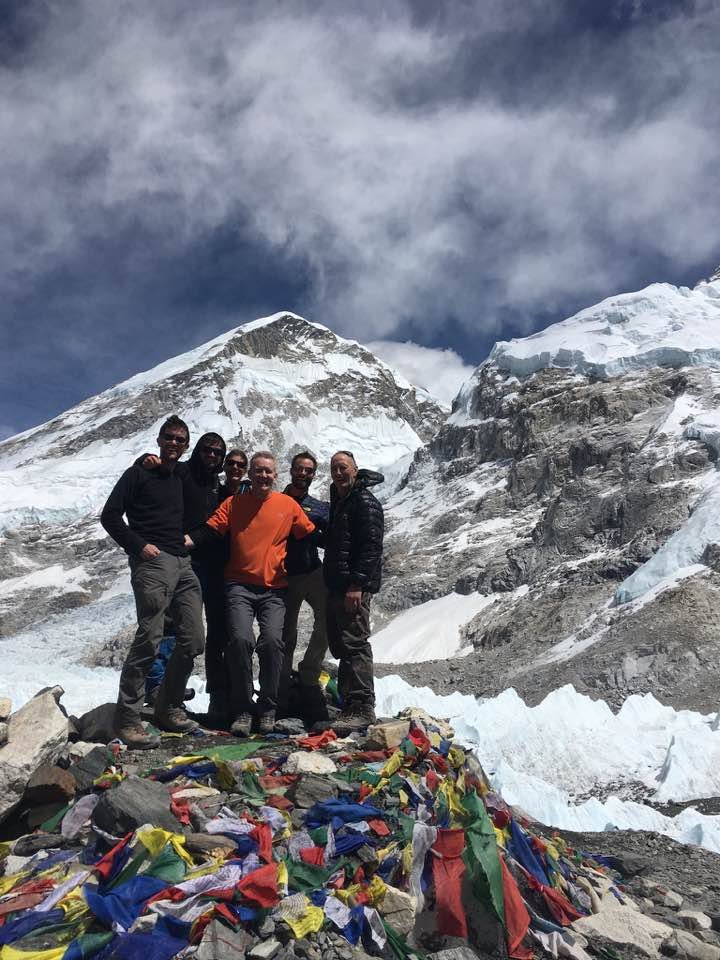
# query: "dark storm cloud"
{"points": [[404, 169]]}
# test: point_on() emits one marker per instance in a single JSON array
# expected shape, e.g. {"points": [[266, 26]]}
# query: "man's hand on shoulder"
{"points": [[149, 551], [151, 462]]}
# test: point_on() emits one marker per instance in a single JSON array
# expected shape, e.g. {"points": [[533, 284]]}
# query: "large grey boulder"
{"points": [[133, 802], [37, 734]]}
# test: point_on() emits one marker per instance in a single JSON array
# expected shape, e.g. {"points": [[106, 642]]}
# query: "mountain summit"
{"points": [[280, 383]]}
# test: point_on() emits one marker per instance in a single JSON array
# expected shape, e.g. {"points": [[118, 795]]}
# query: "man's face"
{"points": [[302, 473], [343, 472], [211, 454], [172, 442], [262, 475], [235, 467]]}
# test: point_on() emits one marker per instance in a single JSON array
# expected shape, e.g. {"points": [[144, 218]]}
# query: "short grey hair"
{"points": [[262, 455]]}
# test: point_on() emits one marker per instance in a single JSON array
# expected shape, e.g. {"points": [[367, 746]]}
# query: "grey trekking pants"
{"points": [[310, 588], [163, 584], [349, 642], [245, 603]]}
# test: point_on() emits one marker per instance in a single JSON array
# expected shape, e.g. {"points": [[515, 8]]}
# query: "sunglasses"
{"points": [[230, 464], [214, 451], [175, 438]]}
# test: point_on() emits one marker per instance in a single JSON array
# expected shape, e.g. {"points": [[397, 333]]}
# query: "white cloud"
{"points": [[440, 372], [194, 115]]}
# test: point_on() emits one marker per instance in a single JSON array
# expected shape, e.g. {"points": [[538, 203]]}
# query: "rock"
{"points": [[34, 842], [417, 713], [292, 726], [264, 950], [204, 843], [302, 762], [50, 784], [398, 908], [630, 864], [133, 802], [311, 788], [694, 920], [220, 942], [266, 928], [38, 731], [672, 899], [387, 736], [97, 725], [456, 953], [89, 767], [623, 925], [4, 733], [685, 946], [5, 707]]}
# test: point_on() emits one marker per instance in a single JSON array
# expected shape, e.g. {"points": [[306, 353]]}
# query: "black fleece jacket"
{"points": [[153, 503], [354, 540]]}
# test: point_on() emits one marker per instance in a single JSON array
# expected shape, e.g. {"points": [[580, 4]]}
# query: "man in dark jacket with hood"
{"points": [[202, 494], [352, 571]]}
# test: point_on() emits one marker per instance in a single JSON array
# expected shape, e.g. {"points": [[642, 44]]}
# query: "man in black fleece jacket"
{"points": [[162, 580], [202, 495], [352, 570]]}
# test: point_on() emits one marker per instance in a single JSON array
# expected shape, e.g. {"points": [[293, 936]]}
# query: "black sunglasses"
{"points": [[215, 451], [174, 438], [241, 464]]}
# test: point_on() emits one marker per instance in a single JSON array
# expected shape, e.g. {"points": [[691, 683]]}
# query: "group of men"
{"points": [[246, 553]]}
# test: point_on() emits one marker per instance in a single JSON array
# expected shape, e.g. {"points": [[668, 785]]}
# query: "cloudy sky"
{"points": [[444, 173]]}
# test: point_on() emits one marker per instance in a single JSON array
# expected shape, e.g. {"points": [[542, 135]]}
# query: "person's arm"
{"points": [[216, 526], [112, 517], [302, 525], [368, 525], [148, 461]]}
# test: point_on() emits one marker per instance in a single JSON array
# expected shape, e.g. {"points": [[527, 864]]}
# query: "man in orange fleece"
{"points": [[259, 524]]}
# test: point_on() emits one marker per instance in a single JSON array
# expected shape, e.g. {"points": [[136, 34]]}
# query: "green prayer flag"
{"points": [[167, 865], [304, 876], [481, 855], [233, 751]]}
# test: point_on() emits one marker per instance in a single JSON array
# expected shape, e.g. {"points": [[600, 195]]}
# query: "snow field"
{"points": [[547, 759]]}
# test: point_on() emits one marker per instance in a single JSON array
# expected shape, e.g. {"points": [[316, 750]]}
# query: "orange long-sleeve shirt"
{"points": [[259, 530]]}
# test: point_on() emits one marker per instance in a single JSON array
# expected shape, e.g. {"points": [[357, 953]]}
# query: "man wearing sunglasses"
{"points": [[163, 582], [202, 494], [235, 467]]}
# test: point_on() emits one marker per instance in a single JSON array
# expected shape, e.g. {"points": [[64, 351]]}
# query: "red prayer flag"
{"points": [[448, 868], [105, 864], [517, 919], [314, 855], [379, 827]]}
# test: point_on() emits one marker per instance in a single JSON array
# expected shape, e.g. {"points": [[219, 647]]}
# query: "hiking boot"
{"points": [[241, 725], [136, 737], [358, 717], [175, 720], [266, 724]]}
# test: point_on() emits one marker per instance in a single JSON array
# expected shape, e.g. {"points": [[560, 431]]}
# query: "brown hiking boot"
{"points": [[266, 723], [355, 717], [175, 720], [241, 725], [136, 737]]}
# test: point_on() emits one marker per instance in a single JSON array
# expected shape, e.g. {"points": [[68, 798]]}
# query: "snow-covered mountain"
{"points": [[574, 487], [559, 525], [281, 383]]}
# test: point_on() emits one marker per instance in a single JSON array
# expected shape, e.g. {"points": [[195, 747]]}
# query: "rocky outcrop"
{"points": [[563, 486], [37, 732]]}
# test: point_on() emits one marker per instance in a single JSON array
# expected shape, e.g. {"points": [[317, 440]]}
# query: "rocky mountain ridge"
{"points": [[572, 485], [281, 383]]}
